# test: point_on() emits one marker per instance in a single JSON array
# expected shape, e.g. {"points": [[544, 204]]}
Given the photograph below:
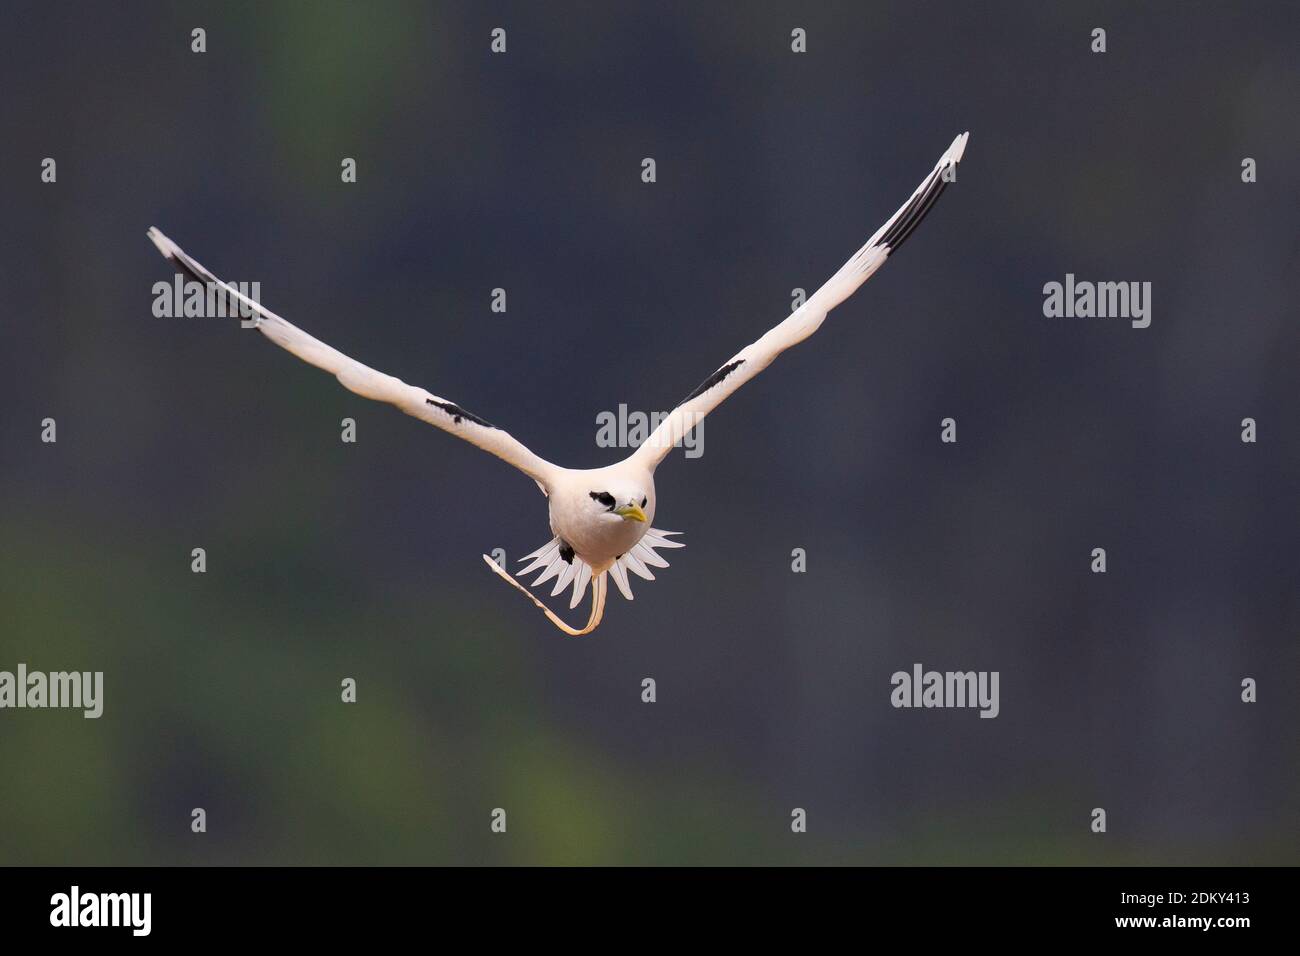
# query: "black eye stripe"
{"points": [[643, 502], [604, 497]]}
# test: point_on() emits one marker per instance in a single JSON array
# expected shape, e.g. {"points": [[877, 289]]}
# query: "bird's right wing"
{"points": [[805, 320], [369, 383]]}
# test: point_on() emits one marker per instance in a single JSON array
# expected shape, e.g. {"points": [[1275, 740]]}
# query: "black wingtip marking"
{"points": [[458, 414], [566, 552], [916, 210], [183, 263], [712, 380], [189, 270]]}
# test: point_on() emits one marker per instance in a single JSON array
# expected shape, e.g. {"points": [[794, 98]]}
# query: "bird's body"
{"points": [[596, 533], [600, 517]]}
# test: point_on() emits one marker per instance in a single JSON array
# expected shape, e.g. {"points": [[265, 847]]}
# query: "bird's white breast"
{"points": [[595, 536]]}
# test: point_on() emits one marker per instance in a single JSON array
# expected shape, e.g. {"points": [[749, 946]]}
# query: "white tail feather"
{"points": [[597, 601]]}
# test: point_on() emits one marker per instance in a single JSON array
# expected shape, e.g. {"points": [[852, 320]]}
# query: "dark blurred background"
{"points": [[475, 171]]}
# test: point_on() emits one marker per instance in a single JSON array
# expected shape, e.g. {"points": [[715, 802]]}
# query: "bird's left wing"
{"points": [[369, 383], [805, 320]]}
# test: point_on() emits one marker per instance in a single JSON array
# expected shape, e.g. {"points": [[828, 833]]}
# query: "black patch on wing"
{"points": [[457, 413], [205, 278], [566, 552], [192, 269], [915, 211], [712, 380]]}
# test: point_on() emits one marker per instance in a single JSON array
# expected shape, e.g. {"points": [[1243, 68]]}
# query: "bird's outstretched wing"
{"points": [[367, 382], [805, 320]]}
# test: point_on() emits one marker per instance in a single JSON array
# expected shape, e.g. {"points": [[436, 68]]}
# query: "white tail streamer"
{"points": [[597, 600]]}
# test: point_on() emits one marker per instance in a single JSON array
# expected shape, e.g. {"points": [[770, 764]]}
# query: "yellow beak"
{"points": [[631, 512]]}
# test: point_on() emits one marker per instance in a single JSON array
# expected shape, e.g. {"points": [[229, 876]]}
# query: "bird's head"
{"points": [[622, 501]]}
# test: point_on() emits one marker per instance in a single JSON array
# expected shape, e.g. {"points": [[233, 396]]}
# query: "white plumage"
{"points": [[601, 517]]}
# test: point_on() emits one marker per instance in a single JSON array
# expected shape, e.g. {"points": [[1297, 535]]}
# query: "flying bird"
{"points": [[600, 517]]}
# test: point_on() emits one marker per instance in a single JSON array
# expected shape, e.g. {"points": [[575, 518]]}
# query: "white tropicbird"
{"points": [[600, 516]]}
